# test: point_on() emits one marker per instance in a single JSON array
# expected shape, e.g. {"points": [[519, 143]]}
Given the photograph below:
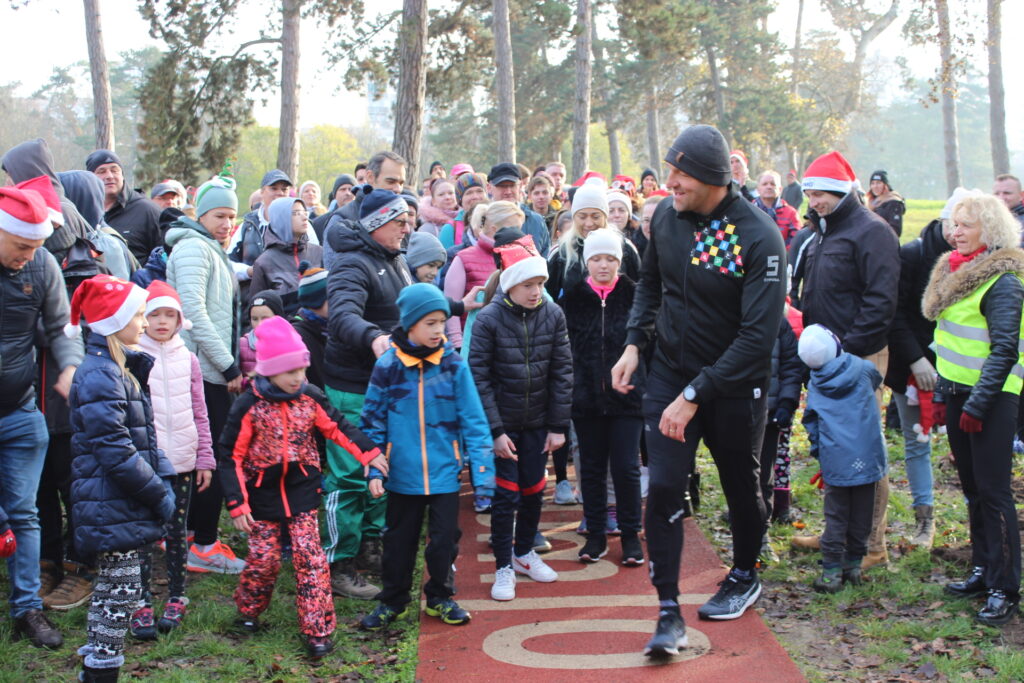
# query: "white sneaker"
{"points": [[534, 567], [504, 587]]}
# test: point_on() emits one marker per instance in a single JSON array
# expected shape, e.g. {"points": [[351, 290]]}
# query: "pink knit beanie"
{"points": [[279, 348]]}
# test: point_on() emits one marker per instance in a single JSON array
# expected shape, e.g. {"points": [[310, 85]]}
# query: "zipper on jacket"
{"points": [[284, 465], [423, 439], [526, 334], [604, 386]]}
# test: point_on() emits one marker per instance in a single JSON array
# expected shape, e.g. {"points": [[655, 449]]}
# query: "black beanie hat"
{"points": [[268, 298], [648, 172], [702, 152], [343, 179], [99, 158], [883, 176]]}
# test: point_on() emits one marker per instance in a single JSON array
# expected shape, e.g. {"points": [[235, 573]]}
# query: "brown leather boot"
{"points": [[806, 542]]}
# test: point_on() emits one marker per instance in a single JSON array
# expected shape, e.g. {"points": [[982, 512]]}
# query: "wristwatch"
{"points": [[690, 394]]}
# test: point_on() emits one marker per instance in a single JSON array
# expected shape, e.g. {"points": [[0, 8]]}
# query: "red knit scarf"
{"points": [[956, 259]]}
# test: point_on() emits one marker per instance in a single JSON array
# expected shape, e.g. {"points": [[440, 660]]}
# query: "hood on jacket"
{"points": [[280, 213], [31, 159], [186, 228], [945, 287], [834, 378], [85, 190]]}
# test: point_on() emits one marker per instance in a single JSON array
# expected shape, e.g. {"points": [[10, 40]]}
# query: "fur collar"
{"points": [[945, 288]]}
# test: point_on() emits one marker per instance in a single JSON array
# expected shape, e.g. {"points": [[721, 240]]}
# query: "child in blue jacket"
{"points": [[423, 410], [844, 428]]}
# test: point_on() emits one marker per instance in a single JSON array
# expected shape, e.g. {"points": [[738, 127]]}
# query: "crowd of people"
{"points": [[170, 357]]}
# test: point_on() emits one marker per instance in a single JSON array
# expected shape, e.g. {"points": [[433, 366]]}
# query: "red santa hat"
{"points": [[738, 154], [108, 304], [24, 213], [830, 173], [591, 177], [44, 186], [162, 295], [518, 265]]}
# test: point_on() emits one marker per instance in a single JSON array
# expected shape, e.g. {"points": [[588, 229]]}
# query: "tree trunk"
{"points": [[504, 83], [581, 109], [613, 148], [288, 136], [796, 47], [950, 137], [653, 132], [718, 93], [412, 84], [996, 92], [861, 50], [103, 109]]}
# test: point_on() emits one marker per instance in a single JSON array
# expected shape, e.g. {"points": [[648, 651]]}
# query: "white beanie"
{"points": [[616, 196], [959, 194], [602, 241], [817, 346], [590, 197]]}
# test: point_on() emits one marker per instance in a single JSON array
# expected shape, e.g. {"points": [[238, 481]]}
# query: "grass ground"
{"points": [[206, 649], [919, 213], [899, 625]]}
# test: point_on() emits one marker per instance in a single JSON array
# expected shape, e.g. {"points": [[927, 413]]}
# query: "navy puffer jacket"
{"points": [[120, 493]]}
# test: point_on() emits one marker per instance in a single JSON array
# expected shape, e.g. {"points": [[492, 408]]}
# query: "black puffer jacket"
{"points": [[138, 220], [562, 280], [1001, 306], [597, 334], [852, 276], [120, 490], [890, 208], [787, 371], [522, 365], [715, 329], [362, 291], [911, 333]]}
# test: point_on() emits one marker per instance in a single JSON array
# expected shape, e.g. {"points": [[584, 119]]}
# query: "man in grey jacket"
{"points": [[32, 299]]}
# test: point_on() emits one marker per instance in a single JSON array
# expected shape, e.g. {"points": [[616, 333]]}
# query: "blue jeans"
{"points": [[918, 455], [23, 440]]}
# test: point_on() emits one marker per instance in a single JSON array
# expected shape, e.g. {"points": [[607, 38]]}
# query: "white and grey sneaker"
{"points": [[669, 636], [564, 494], [531, 565], [733, 598], [504, 587]]}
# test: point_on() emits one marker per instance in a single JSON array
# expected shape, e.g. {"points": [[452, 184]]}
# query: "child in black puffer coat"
{"points": [[522, 366], [120, 493], [608, 424]]}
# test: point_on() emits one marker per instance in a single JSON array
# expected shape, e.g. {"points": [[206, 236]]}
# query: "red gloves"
{"points": [[8, 544], [819, 480], [939, 414], [969, 423]]}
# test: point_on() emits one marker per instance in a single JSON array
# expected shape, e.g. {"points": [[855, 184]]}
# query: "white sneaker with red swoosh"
{"points": [[531, 565]]}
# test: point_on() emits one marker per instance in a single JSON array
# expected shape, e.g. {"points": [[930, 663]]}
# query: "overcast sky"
{"points": [[51, 33]]}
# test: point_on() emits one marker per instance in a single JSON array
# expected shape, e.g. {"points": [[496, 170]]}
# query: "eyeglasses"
{"points": [[298, 213]]}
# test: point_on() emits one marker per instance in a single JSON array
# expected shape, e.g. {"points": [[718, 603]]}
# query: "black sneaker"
{"points": [[448, 611], [247, 624], [381, 617], [998, 610], [733, 598], [594, 549], [669, 636], [319, 646], [632, 550], [971, 587]]}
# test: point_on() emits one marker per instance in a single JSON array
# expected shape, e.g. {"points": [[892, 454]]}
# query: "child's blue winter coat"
{"points": [[120, 494], [427, 417], [843, 423]]}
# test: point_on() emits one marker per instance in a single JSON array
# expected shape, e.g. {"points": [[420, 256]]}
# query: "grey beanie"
{"points": [[702, 152], [424, 248]]}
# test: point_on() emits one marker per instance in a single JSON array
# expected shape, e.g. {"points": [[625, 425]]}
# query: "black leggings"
{"points": [[614, 441], [984, 462], [204, 510], [54, 502], [177, 543]]}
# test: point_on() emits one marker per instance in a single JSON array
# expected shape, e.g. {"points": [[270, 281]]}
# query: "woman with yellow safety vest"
{"points": [[976, 295]]}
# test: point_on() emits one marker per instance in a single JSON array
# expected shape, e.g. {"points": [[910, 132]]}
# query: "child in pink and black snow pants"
{"points": [[272, 480]]}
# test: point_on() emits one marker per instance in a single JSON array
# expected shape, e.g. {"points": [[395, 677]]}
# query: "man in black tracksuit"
{"points": [[713, 286]]}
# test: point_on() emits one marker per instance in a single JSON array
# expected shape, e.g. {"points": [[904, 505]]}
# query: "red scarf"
{"points": [[956, 259]]}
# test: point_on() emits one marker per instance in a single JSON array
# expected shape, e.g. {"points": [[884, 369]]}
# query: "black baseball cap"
{"points": [[504, 172], [275, 176]]}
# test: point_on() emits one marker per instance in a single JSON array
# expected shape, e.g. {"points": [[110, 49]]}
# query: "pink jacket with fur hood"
{"points": [[179, 405]]}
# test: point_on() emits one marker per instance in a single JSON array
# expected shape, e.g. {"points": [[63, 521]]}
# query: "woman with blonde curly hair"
{"points": [[975, 295]]}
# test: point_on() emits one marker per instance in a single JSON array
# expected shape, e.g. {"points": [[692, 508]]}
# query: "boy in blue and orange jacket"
{"points": [[423, 410]]}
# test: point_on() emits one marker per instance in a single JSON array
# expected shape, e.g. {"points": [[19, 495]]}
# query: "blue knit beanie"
{"points": [[416, 301], [380, 207]]}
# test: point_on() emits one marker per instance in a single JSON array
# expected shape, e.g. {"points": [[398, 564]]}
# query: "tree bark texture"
{"points": [[996, 92], [288, 136], [951, 143], [717, 91], [653, 129], [412, 85], [796, 47], [581, 106], [613, 148], [504, 83], [861, 43], [103, 109]]}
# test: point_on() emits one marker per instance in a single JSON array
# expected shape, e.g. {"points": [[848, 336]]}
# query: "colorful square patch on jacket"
{"points": [[717, 247]]}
